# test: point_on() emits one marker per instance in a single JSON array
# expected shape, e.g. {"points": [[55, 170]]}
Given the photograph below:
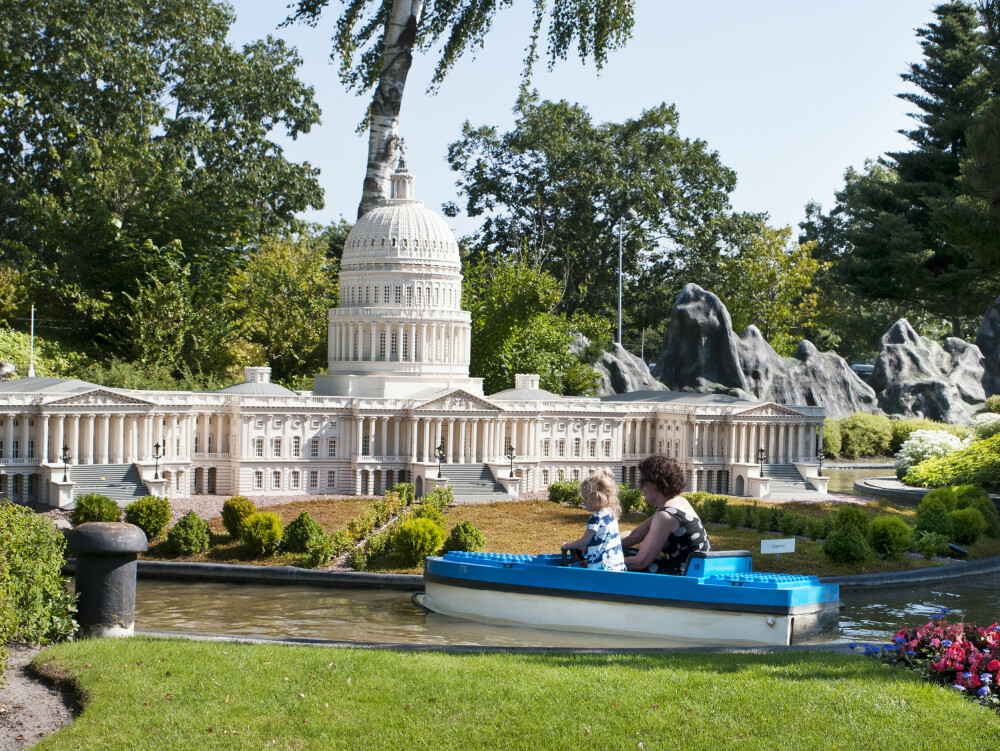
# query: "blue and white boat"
{"points": [[720, 599]]}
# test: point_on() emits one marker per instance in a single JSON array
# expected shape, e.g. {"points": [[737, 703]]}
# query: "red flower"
{"points": [[993, 666]]}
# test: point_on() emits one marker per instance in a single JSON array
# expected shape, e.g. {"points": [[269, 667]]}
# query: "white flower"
{"points": [[986, 424], [923, 444]]}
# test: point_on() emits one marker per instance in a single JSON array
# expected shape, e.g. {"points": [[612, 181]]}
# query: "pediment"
{"points": [[99, 398], [769, 410], [458, 401]]}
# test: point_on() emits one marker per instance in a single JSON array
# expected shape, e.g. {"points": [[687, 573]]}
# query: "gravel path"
{"points": [[30, 708]]}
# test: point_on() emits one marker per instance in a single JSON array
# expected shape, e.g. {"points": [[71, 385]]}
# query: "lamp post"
{"points": [[819, 458], [156, 461], [66, 459], [628, 214], [440, 458], [761, 456], [510, 455]]}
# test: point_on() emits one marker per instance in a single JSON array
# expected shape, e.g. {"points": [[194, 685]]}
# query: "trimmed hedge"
{"points": [[234, 511], [865, 435], [189, 535], [566, 491], [465, 536], [261, 533], [415, 539], [889, 536], [94, 507], [831, 438], [150, 514], [300, 532], [932, 516], [969, 525], [847, 545]]}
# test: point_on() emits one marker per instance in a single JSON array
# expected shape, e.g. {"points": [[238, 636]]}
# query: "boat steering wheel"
{"points": [[571, 556]]}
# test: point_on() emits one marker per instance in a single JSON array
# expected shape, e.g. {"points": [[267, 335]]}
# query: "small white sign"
{"points": [[778, 546]]}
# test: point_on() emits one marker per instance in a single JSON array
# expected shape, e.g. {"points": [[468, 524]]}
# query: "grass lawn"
{"points": [[169, 694]]}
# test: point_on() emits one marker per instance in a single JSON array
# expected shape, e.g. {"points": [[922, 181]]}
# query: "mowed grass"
{"points": [[170, 694]]}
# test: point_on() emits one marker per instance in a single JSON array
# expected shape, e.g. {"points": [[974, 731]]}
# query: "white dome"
{"points": [[403, 230]]}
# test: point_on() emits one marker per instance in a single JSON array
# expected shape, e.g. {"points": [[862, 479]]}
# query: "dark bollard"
{"points": [[106, 555]]}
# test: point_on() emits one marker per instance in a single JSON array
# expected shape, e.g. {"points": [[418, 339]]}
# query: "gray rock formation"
{"points": [[620, 371], [916, 377], [702, 353], [988, 341], [7, 371]]}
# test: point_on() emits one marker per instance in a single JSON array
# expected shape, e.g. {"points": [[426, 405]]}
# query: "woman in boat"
{"points": [[674, 531], [601, 539]]}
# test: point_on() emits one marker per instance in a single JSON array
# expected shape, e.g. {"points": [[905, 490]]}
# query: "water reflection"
{"points": [[389, 616]]}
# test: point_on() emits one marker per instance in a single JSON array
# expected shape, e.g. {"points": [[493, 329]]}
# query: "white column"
{"points": [[413, 439], [43, 448], [8, 439], [385, 437], [371, 444], [60, 436], [396, 448], [461, 439], [450, 448], [25, 437], [74, 439], [425, 454], [119, 445], [475, 441]]}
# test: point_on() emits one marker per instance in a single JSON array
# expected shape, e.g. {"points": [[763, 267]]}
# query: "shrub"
{"points": [[889, 536], [415, 539], [322, 549], [631, 498], [863, 434], [969, 524], [965, 495], [931, 544], [189, 535], [427, 511], [261, 533], [986, 424], [831, 438], [234, 511], [566, 491], [440, 497], [976, 464], [149, 514], [793, 524], [815, 528], [766, 518], [713, 509], [903, 429], [932, 516], [850, 513], [992, 403], [735, 515], [35, 606], [947, 496], [300, 532], [94, 507], [922, 445], [847, 544], [749, 515], [465, 536], [985, 506], [406, 491]]}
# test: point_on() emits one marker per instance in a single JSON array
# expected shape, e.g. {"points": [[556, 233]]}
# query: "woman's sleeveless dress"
{"points": [[689, 537]]}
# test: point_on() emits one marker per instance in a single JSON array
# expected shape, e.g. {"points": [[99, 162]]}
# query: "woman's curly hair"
{"points": [[664, 473]]}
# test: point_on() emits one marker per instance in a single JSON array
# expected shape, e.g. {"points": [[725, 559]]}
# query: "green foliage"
{"points": [[35, 606], [261, 533], [149, 514], [969, 524], [415, 539], [465, 536], [976, 464], [930, 544], [630, 498], [94, 507], [321, 550], [440, 497], [992, 404], [406, 491], [566, 491], [932, 516], [946, 496], [982, 503], [234, 511], [713, 508], [850, 513], [429, 511], [791, 524], [189, 535], [52, 357], [846, 545], [889, 536], [863, 434], [831, 438], [735, 515], [901, 430], [300, 532], [816, 528]]}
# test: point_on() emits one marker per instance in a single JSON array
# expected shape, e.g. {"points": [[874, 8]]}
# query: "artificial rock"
{"points": [[619, 370], [988, 341]]}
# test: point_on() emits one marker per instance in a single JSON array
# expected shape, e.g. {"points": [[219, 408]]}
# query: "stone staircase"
{"points": [[473, 482], [786, 482], [119, 482]]}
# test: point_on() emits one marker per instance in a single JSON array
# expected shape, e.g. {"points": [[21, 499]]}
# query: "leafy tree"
{"points": [[375, 40], [898, 247], [552, 191], [514, 328], [281, 297], [134, 137], [770, 283]]}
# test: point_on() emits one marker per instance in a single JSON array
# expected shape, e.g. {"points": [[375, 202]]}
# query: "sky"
{"points": [[790, 93]]}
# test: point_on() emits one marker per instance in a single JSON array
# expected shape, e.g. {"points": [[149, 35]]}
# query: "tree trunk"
{"points": [[400, 33]]}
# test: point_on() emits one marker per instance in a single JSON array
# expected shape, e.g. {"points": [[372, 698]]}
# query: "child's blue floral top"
{"points": [[605, 548]]}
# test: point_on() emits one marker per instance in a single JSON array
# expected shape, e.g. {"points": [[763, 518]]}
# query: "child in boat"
{"points": [[601, 539]]}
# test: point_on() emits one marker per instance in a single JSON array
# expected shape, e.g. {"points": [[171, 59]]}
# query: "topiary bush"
{"points": [[831, 438], [992, 403], [189, 535], [889, 536], [631, 498], [850, 513], [234, 511], [922, 445], [975, 464], [969, 524], [261, 533], [985, 506], [300, 532], [415, 539], [94, 507], [863, 434], [847, 544], [566, 491], [932, 516], [35, 606], [947, 496], [150, 514], [465, 536], [428, 511]]}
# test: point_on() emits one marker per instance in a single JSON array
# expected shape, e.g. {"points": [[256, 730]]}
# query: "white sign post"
{"points": [[778, 547]]}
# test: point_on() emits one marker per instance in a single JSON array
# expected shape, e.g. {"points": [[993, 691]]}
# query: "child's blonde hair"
{"points": [[600, 493]]}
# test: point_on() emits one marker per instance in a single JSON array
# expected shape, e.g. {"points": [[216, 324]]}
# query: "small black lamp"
{"points": [[66, 459], [440, 458], [761, 456], [819, 458], [156, 461], [510, 455]]}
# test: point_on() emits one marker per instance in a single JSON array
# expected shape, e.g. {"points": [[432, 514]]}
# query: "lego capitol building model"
{"points": [[396, 404]]}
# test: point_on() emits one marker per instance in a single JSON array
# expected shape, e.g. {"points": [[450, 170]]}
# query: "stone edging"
{"points": [[916, 576]]}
